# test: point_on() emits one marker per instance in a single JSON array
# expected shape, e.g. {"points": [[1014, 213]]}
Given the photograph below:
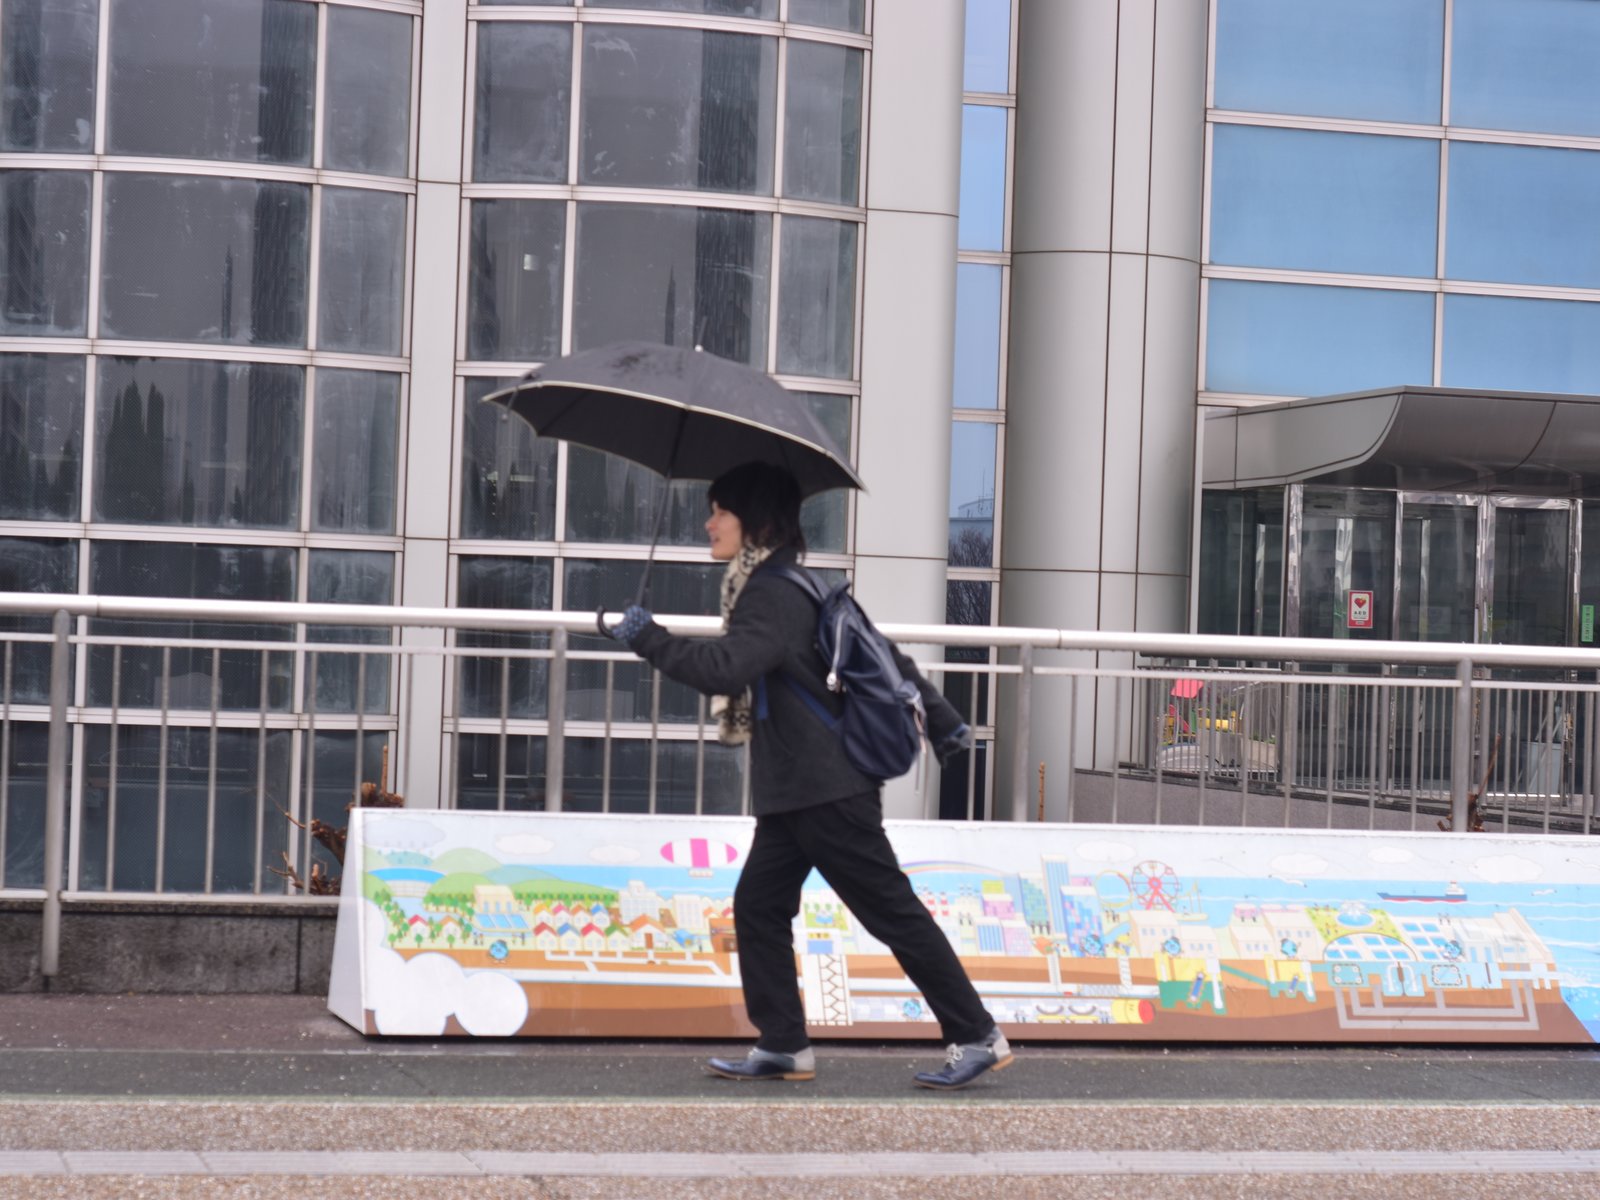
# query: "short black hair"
{"points": [[766, 499]]}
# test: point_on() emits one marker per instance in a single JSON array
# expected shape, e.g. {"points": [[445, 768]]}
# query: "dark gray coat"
{"points": [[796, 761]]}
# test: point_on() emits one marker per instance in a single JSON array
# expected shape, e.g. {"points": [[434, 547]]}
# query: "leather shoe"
{"points": [[766, 1064], [963, 1064]]}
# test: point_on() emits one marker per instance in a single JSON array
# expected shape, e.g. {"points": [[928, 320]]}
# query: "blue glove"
{"points": [[635, 620], [953, 743]]}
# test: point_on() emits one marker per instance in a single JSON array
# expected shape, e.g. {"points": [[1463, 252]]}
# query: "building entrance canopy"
{"points": [[1413, 439]]}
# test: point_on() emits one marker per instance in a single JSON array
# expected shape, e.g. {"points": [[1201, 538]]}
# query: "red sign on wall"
{"points": [[1358, 613]]}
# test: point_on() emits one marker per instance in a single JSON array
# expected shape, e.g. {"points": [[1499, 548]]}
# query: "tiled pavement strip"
{"points": [[225, 1163], [107, 1096]]}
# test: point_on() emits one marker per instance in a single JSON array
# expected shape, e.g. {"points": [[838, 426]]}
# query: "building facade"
{"points": [[262, 259]]}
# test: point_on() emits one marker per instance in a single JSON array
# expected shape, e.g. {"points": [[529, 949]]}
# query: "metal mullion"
{"points": [[781, 115], [775, 260], [454, 664], [605, 745], [655, 735], [161, 770], [111, 797], [309, 661], [211, 771], [5, 756], [700, 756], [261, 779], [102, 80], [361, 721], [504, 735], [320, 89]]}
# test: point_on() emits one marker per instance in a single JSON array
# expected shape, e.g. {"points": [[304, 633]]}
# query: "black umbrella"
{"points": [[684, 414]]}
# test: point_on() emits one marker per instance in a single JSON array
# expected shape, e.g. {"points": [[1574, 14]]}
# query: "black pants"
{"points": [[846, 843]]}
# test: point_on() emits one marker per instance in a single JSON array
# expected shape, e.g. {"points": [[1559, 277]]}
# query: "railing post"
{"points": [[1461, 747], [555, 743], [55, 797], [1021, 747]]}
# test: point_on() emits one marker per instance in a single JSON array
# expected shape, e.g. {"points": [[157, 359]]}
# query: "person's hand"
{"points": [[635, 619], [953, 743]]}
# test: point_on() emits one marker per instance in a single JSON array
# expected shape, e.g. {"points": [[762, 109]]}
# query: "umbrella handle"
{"points": [[600, 621]]}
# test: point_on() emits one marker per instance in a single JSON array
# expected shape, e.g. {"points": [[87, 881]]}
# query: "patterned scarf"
{"points": [[735, 720]]}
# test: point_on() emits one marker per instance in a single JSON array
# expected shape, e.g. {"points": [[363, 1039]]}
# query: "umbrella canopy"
{"points": [[684, 414]]}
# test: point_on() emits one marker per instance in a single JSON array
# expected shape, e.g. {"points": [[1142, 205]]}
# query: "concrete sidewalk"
{"points": [[257, 1095]]}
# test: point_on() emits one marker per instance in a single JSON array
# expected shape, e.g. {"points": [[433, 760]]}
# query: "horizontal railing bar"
{"points": [[1154, 645]]}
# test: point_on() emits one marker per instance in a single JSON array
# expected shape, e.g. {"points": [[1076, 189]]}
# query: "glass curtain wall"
{"points": [[694, 180], [977, 434], [204, 218], [1401, 192]]}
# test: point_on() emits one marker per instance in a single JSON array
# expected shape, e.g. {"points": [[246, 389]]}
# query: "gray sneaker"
{"points": [[963, 1064], [766, 1064]]}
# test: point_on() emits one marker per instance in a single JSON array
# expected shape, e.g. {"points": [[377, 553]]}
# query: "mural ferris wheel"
{"points": [[1155, 885]]}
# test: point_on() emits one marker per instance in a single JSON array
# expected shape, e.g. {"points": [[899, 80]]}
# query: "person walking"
{"points": [[812, 807]]}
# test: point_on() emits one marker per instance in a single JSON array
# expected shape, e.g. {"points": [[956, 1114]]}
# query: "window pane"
{"points": [[967, 602], [354, 451], [817, 298], [205, 260], [682, 276], [678, 108], [41, 436], [508, 476], [825, 517], [33, 565], [493, 686], [479, 770], [223, 79], [676, 766], [1521, 345], [977, 336], [972, 457], [1324, 201], [191, 571], [830, 14], [987, 63], [514, 297], [44, 256], [1377, 59], [366, 120], [251, 790], [350, 577], [333, 765], [27, 767], [1290, 340], [522, 102], [822, 131], [982, 223], [764, 10], [1523, 214], [362, 272], [47, 59], [189, 442], [1527, 64], [610, 499], [687, 589]]}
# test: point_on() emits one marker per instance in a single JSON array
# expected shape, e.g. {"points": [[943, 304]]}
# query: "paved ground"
{"points": [[258, 1096]]}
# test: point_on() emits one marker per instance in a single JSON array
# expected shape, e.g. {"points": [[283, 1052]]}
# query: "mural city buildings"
{"points": [[262, 258]]}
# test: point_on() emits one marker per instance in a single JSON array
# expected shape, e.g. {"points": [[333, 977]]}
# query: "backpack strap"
{"points": [[801, 578], [812, 587]]}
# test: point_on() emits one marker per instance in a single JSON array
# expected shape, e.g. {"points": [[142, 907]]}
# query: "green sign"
{"points": [[1587, 632]]}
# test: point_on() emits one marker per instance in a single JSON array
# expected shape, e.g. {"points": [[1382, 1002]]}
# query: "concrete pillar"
{"points": [[1104, 343], [908, 318], [431, 421]]}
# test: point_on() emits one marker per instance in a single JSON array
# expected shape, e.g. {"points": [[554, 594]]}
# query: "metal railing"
{"points": [[186, 748]]}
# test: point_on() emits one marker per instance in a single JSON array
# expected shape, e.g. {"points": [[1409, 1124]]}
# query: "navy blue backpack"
{"points": [[882, 721]]}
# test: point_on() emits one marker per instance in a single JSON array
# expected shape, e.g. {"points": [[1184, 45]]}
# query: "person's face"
{"points": [[725, 531]]}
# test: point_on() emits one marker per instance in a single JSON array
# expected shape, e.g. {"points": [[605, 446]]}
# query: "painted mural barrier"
{"points": [[498, 924]]}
